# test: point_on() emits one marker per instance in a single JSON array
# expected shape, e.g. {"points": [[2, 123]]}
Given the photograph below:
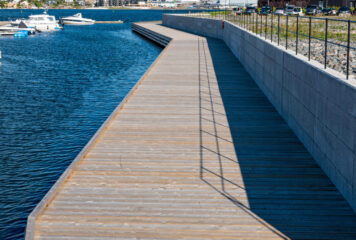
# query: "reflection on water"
{"points": [[56, 89]]}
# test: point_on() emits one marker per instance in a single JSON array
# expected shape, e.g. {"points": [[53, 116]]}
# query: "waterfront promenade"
{"points": [[196, 151]]}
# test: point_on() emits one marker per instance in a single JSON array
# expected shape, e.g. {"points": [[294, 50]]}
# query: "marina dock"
{"points": [[96, 22], [194, 151]]}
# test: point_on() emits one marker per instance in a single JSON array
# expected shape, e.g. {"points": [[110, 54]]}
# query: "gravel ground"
{"points": [[336, 55]]}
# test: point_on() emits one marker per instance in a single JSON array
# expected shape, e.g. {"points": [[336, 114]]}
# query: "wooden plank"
{"points": [[195, 152]]}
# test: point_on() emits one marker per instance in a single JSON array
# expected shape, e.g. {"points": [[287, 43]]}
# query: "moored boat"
{"points": [[22, 29], [76, 19], [40, 22]]}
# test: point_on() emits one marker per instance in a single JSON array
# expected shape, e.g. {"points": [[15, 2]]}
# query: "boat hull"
{"points": [[47, 28], [69, 22]]}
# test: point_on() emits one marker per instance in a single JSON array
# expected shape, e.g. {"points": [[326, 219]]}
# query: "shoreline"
{"points": [[108, 8]]}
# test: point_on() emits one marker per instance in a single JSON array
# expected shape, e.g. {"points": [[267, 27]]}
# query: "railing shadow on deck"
{"points": [[286, 190]]}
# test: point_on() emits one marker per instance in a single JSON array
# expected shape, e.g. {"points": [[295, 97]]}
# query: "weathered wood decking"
{"points": [[195, 152]]}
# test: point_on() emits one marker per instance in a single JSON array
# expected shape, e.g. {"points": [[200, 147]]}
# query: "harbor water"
{"points": [[56, 89]]}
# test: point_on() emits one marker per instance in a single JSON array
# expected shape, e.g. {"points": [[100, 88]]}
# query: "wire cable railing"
{"points": [[330, 41]]}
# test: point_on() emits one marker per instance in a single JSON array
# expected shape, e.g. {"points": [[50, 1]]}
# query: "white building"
{"points": [[239, 3], [189, 1]]}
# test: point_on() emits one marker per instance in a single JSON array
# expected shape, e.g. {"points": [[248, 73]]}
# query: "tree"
{"points": [[2, 4]]}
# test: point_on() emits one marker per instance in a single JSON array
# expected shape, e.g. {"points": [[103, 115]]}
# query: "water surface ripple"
{"points": [[56, 89]]}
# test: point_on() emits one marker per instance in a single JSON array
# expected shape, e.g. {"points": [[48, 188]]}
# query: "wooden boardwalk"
{"points": [[195, 152]]}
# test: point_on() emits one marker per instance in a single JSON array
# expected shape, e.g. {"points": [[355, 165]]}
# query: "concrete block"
{"points": [[287, 62], [252, 40], [338, 121], [308, 142], [308, 121], [304, 93], [260, 45], [305, 119], [267, 62], [342, 93], [309, 74], [293, 124], [320, 157], [277, 72], [288, 79], [273, 52], [295, 65], [259, 72], [277, 93], [335, 150], [285, 105]]}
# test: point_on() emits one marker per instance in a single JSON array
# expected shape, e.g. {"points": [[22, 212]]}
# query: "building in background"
{"points": [[303, 3], [237, 3], [240, 3], [340, 3], [108, 3]]}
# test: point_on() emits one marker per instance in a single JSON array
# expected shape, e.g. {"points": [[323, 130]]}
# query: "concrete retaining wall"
{"points": [[319, 105]]}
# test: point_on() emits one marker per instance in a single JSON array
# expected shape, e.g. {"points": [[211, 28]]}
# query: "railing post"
{"points": [[296, 36], [225, 11], [278, 28], [310, 21], [326, 43], [249, 21], [271, 27], [244, 21], [287, 32], [266, 27], [348, 49], [256, 24], [261, 26]]}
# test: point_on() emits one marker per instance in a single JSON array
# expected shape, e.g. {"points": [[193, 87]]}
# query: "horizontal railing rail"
{"points": [[304, 34]]}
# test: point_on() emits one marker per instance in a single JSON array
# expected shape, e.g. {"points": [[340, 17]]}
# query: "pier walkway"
{"points": [[196, 151]]}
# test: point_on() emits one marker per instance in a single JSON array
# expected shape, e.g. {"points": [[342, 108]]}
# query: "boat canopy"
{"points": [[22, 25], [79, 15]]}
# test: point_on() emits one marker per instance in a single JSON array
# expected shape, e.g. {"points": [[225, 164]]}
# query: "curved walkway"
{"points": [[195, 152]]}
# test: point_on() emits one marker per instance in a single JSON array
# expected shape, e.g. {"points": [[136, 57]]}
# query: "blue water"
{"points": [[56, 89]]}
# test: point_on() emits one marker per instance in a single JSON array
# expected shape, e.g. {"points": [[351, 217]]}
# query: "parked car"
{"points": [[266, 10], [344, 11], [250, 10], [333, 12], [289, 10], [312, 10], [237, 11], [297, 11], [279, 11], [329, 11]]}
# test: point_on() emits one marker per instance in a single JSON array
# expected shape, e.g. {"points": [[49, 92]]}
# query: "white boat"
{"points": [[41, 22], [11, 30], [77, 19]]}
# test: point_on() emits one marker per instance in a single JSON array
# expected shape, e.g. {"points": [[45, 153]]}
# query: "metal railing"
{"points": [[330, 41]]}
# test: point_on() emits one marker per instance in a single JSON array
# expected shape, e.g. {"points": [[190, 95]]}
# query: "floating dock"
{"points": [[195, 151], [109, 22]]}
